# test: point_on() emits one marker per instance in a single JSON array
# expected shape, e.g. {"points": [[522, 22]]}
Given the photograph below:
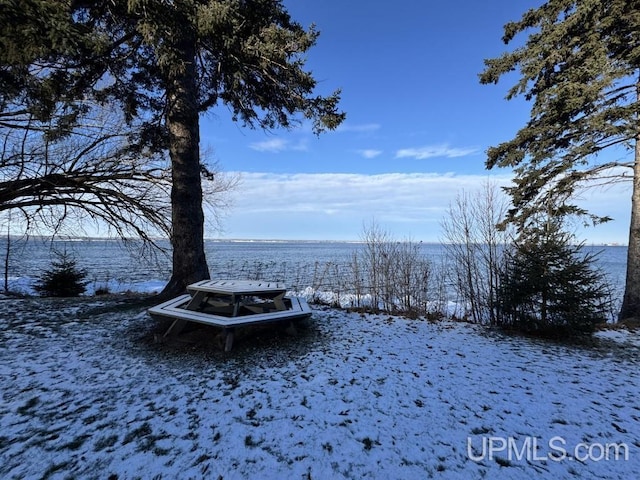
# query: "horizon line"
{"points": [[71, 238]]}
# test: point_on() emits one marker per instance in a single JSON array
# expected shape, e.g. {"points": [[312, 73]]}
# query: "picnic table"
{"points": [[235, 293], [231, 303]]}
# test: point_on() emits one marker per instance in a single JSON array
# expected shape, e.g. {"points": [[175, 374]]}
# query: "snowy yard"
{"points": [[86, 393]]}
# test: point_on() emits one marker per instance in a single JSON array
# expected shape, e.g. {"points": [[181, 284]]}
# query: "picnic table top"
{"points": [[238, 287]]}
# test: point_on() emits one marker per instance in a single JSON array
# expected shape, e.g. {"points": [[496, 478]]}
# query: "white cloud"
{"points": [[431, 151], [362, 128], [277, 145], [274, 145], [335, 205], [369, 153], [301, 146], [409, 205]]}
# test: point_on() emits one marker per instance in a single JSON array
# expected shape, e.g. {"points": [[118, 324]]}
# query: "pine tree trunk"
{"points": [[189, 262], [631, 302]]}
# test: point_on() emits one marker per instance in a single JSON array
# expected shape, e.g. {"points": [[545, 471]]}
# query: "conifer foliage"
{"points": [[580, 68], [162, 64], [62, 279], [550, 286]]}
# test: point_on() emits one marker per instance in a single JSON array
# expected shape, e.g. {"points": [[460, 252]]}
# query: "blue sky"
{"points": [[417, 129]]}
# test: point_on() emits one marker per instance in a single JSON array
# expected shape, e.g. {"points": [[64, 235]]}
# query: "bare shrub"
{"points": [[394, 276], [476, 248]]}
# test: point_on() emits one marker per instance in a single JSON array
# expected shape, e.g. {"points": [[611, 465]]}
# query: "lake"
{"points": [[299, 264]]}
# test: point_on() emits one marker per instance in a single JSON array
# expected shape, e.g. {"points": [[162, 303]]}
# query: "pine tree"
{"points": [[63, 279], [580, 65], [164, 63], [550, 286]]}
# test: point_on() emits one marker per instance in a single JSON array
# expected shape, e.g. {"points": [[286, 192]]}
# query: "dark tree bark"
{"points": [[631, 301], [189, 261]]}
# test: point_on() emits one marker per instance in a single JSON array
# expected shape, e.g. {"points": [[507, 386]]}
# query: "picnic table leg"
{"points": [[197, 300], [278, 301], [228, 339], [291, 329], [236, 300], [175, 328]]}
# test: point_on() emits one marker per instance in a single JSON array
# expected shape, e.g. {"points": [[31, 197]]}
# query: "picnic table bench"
{"points": [[229, 304]]}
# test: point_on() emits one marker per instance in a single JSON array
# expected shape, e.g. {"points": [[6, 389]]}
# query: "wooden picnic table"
{"points": [[231, 303], [234, 293]]}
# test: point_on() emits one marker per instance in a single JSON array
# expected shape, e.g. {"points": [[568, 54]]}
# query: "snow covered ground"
{"points": [[86, 393]]}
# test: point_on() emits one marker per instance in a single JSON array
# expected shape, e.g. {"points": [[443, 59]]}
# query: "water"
{"points": [[112, 263], [299, 264], [613, 261]]}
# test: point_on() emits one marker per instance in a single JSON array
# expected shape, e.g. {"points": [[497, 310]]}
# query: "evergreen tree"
{"points": [[164, 63], [63, 279], [549, 286], [580, 66]]}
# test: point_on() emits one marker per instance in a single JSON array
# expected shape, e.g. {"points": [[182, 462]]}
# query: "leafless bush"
{"points": [[476, 248], [394, 275]]}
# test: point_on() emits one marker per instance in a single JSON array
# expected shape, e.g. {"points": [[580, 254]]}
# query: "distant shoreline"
{"points": [[250, 240]]}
